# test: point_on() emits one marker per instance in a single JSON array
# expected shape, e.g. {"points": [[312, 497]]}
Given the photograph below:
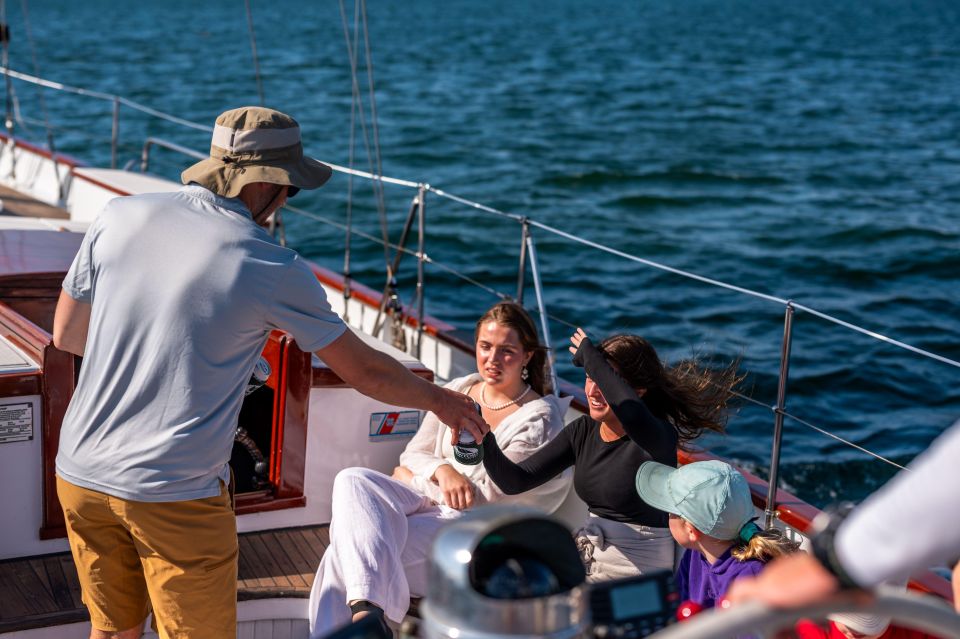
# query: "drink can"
{"points": [[468, 451]]}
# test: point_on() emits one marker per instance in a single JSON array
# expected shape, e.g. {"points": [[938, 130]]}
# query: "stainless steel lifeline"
{"points": [[527, 252]]}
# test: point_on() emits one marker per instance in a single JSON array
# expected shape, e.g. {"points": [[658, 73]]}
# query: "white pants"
{"points": [[613, 550], [380, 536]]}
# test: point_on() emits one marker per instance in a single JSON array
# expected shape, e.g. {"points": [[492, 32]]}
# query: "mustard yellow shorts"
{"points": [[180, 558]]}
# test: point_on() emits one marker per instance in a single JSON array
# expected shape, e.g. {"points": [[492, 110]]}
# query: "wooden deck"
{"points": [[44, 591], [16, 203]]}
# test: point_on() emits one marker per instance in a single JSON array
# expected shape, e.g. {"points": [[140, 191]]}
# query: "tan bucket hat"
{"points": [[253, 144]]}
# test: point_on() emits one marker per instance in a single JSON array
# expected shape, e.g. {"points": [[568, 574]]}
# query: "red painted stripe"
{"points": [[388, 423]]}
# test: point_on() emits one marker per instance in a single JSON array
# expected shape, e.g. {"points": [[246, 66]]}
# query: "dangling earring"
{"points": [[524, 374]]}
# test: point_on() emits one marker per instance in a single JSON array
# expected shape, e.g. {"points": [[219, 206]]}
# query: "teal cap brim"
{"points": [[651, 485]]}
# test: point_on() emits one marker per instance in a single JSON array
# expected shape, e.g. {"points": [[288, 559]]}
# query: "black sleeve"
{"points": [[514, 478], [641, 426]]}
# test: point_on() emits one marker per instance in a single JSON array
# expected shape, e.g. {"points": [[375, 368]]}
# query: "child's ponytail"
{"points": [[762, 545]]}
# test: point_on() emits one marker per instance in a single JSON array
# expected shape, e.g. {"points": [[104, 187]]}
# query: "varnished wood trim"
{"points": [[20, 384], [59, 375], [23, 333], [258, 503]]}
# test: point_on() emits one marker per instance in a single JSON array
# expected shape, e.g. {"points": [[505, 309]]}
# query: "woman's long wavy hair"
{"points": [[512, 315], [689, 395]]}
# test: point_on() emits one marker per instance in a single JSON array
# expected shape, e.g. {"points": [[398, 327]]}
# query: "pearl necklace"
{"points": [[483, 400]]}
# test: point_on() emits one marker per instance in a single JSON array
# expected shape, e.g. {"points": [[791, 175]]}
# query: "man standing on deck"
{"points": [[170, 300]]}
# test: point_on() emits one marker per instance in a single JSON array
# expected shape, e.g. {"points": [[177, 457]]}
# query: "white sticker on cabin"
{"points": [[395, 424], [16, 422]]}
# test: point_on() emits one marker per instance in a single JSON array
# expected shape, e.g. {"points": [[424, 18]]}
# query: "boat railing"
{"points": [[166, 144], [528, 255]]}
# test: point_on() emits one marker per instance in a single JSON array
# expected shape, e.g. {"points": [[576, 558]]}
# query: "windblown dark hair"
{"points": [[512, 315], [689, 395]]}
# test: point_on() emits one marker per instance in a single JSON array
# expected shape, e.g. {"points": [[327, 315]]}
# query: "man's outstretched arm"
{"points": [[381, 377]]}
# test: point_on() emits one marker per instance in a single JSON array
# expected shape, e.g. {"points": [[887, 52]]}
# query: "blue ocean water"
{"points": [[804, 150]]}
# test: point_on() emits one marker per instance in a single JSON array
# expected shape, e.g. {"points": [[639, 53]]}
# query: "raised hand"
{"points": [[575, 339]]}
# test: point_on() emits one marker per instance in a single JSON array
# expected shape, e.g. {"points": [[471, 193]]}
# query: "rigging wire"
{"points": [[402, 249], [822, 431], [391, 305], [43, 102], [8, 98], [391, 299], [379, 179], [375, 174], [347, 236], [136, 106], [253, 48], [844, 441], [408, 183], [372, 96], [504, 296]]}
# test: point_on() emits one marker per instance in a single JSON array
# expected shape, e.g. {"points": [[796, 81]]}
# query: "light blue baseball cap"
{"points": [[711, 495]]}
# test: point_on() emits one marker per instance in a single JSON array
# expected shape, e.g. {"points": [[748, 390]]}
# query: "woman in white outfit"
{"points": [[382, 527]]}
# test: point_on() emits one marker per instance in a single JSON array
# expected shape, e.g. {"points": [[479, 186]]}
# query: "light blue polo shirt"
{"points": [[185, 289]]}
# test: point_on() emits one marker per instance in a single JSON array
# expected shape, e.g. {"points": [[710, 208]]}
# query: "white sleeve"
{"points": [[300, 307], [910, 524], [79, 281], [422, 455]]}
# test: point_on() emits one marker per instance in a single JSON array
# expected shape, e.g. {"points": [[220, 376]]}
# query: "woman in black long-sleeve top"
{"points": [[639, 411]]}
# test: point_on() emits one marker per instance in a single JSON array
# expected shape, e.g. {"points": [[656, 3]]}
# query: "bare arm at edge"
{"points": [[70, 324], [381, 377]]}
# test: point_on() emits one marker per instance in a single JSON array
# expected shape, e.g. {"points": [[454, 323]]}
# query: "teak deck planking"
{"points": [[44, 590]]}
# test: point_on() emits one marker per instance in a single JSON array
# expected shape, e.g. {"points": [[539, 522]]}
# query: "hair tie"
{"points": [[748, 531]]}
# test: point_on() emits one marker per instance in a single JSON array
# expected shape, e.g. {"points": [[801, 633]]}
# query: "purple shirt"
{"points": [[703, 583]]}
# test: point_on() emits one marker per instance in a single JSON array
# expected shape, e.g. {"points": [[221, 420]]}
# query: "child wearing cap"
{"points": [[711, 515]]}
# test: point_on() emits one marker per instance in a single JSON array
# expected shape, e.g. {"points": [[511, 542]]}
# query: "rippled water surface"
{"points": [[804, 150]]}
